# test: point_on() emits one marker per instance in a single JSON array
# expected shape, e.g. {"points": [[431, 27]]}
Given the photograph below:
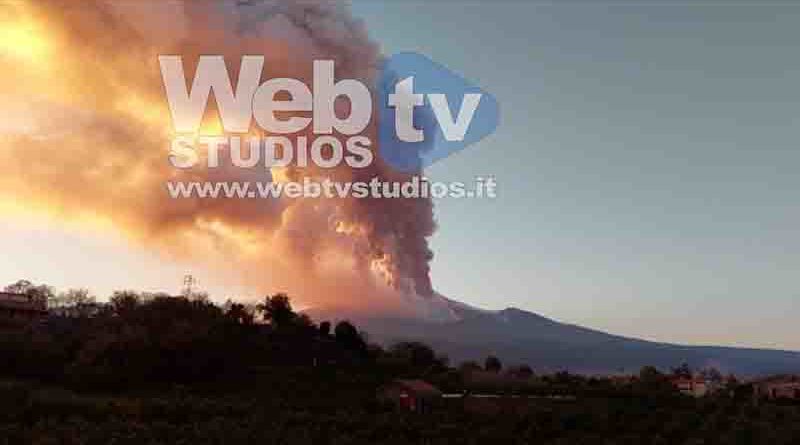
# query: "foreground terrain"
{"points": [[152, 369], [314, 411]]}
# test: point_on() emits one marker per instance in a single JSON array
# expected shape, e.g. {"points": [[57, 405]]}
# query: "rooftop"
{"points": [[21, 302], [419, 387]]}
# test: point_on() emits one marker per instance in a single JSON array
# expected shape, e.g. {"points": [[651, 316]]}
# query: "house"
{"points": [[20, 309], [692, 386], [412, 395], [622, 380], [788, 390], [779, 387]]}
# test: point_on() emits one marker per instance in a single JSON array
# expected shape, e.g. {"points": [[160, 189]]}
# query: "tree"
{"points": [[711, 374], [649, 374], [76, 298], [325, 328], [277, 309], [469, 367], [416, 354], [238, 313], [124, 302], [304, 321], [492, 364], [20, 287], [197, 296], [682, 371], [42, 293], [348, 336], [521, 372], [79, 301]]}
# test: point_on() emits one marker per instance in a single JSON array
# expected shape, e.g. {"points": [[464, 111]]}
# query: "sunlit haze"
{"points": [[646, 161]]}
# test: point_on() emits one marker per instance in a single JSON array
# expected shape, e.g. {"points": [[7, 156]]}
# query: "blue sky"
{"points": [[646, 161]]}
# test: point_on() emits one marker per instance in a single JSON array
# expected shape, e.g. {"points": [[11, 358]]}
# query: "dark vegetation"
{"points": [[146, 369]]}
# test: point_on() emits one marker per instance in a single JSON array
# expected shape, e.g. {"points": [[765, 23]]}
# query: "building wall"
{"points": [[17, 309]]}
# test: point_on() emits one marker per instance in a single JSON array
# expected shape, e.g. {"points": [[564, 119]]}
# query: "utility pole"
{"points": [[188, 284]]}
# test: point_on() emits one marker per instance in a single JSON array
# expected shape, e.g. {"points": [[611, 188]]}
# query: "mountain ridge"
{"points": [[464, 332]]}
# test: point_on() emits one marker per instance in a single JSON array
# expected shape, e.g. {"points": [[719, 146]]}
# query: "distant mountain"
{"points": [[517, 336]]}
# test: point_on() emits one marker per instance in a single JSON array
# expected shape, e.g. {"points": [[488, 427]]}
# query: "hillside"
{"points": [[518, 336]]}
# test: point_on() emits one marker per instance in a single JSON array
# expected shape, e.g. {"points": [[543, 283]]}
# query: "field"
{"points": [[288, 414]]}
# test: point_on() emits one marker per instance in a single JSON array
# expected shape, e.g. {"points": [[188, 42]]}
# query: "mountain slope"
{"points": [[517, 336]]}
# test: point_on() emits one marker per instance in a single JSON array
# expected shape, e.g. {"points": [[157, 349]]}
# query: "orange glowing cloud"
{"points": [[87, 134]]}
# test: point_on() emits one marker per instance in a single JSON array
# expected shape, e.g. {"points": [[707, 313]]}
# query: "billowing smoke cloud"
{"points": [[86, 130]]}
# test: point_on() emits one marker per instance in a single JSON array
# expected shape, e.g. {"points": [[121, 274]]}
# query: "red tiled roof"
{"points": [[686, 381], [419, 387]]}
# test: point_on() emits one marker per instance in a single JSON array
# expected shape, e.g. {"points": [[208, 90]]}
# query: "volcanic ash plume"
{"points": [[86, 132]]}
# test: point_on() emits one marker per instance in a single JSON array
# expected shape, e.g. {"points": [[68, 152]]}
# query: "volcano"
{"points": [[516, 336]]}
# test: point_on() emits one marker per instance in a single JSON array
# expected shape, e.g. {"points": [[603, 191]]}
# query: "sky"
{"points": [[645, 159]]}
